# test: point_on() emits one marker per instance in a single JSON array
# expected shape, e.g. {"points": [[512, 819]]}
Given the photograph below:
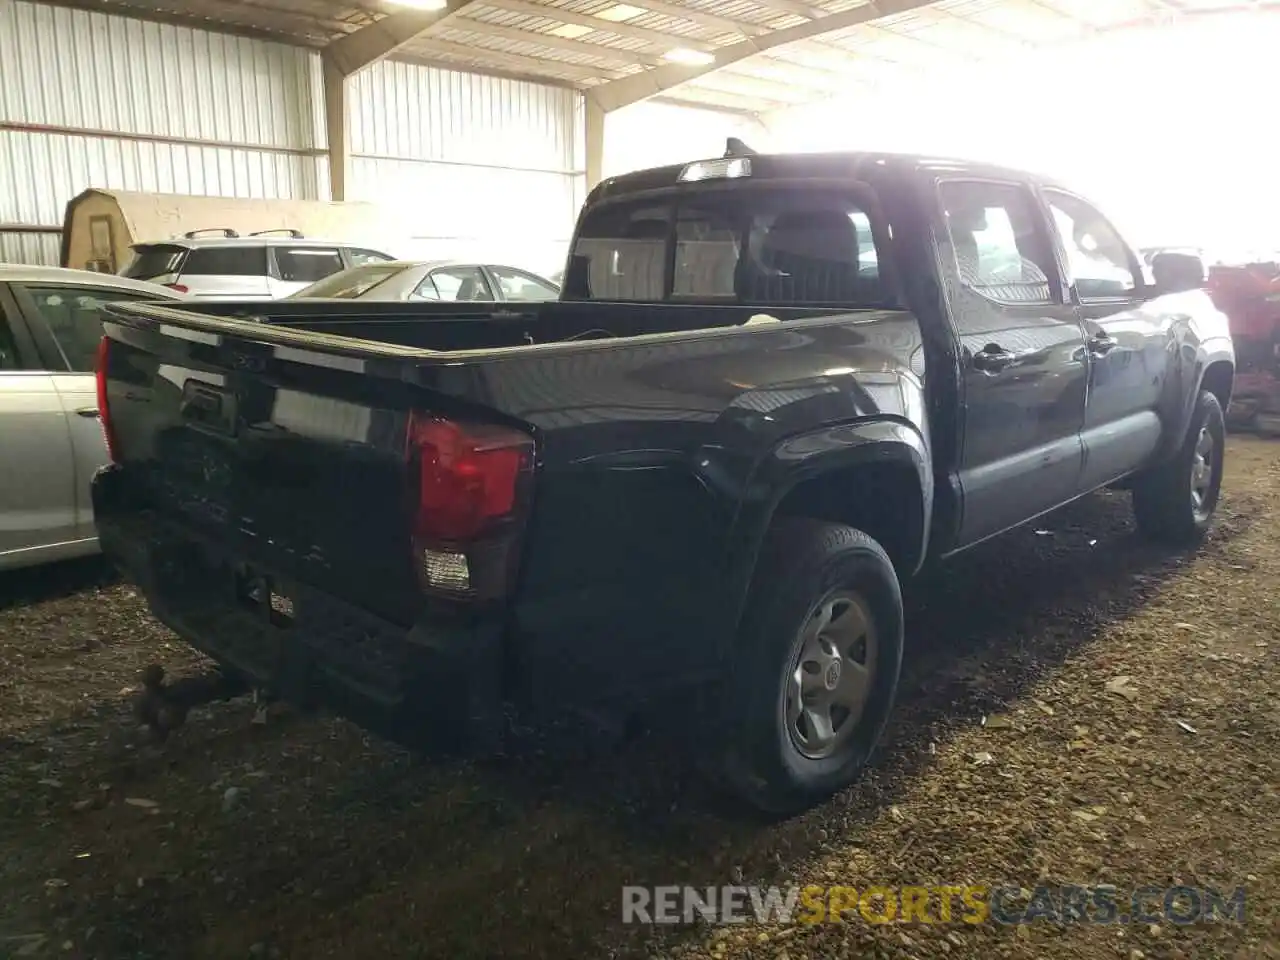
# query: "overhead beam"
{"points": [[709, 20], [534, 69], [641, 86], [364, 47], [793, 8], [741, 112], [706, 98], [792, 74], [343, 58], [770, 94], [618, 29], [550, 41]]}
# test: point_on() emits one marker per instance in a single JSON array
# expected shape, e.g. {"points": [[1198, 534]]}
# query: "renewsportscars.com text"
{"points": [[939, 904]]}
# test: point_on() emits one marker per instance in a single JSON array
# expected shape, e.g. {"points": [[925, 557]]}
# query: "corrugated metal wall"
{"points": [[483, 166], [486, 167], [168, 109]]}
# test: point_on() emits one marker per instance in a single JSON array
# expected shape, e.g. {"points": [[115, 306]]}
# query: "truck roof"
{"points": [[856, 164]]}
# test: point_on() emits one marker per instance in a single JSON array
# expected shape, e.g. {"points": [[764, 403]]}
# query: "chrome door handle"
{"points": [[992, 358], [88, 412], [1101, 343]]}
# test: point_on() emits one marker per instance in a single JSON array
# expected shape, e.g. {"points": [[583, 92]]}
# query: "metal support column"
{"points": [[595, 121], [337, 117]]}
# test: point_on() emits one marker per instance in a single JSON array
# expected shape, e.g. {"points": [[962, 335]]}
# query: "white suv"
{"points": [[253, 267]]}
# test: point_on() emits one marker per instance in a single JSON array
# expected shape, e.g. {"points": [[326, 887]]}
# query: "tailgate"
{"points": [[301, 461]]}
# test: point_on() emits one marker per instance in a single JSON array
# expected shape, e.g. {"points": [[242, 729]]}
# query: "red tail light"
{"points": [[176, 286], [104, 408], [470, 484]]}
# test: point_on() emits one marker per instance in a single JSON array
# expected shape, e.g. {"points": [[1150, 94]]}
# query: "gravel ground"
{"points": [[304, 838]]}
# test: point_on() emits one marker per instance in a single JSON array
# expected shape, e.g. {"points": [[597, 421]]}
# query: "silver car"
{"points": [[446, 280], [50, 327]]}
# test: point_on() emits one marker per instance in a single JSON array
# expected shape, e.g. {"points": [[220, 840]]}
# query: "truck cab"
{"points": [[773, 387]]}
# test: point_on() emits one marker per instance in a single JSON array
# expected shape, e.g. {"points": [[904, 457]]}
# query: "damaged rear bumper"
{"points": [[434, 685]]}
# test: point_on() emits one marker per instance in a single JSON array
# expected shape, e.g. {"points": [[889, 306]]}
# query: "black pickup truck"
{"points": [[774, 387]]}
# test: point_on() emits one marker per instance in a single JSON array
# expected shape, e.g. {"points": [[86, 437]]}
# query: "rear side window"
{"points": [[622, 250], [227, 262], [1000, 253], [307, 264], [454, 283], [155, 260], [522, 286], [359, 257], [759, 246]]}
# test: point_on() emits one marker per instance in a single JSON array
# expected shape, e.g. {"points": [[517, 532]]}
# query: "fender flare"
{"points": [[1207, 355], [805, 456]]}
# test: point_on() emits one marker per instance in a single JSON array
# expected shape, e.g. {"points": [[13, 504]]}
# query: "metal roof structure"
{"points": [[741, 56]]}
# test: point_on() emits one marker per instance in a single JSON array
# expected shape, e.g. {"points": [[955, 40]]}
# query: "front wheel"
{"points": [[814, 678], [1174, 502]]}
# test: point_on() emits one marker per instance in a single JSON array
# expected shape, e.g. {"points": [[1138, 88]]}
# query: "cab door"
{"points": [[37, 479], [1127, 337], [1024, 367]]}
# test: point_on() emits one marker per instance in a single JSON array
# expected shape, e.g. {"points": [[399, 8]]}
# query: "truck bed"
{"points": [[454, 327]]}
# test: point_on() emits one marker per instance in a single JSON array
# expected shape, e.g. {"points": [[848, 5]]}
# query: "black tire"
{"points": [[804, 564], [1163, 501]]}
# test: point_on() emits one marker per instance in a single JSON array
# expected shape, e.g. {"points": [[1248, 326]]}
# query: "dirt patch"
{"points": [[305, 838]]}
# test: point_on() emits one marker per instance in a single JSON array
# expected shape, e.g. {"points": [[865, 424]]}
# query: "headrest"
{"points": [[647, 230], [813, 234], [968, 219]]}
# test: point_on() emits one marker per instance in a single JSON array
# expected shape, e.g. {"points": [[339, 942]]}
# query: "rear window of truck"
{"points": [[758, 246]]}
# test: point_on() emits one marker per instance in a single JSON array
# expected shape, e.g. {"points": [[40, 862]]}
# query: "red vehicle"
{"points": [[1249, 294]]}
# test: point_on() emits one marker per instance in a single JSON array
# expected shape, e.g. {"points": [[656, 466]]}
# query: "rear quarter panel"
{"points": [[659, 465]]}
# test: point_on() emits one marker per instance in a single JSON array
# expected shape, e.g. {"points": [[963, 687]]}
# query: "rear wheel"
{"points": [[1174, 502], [817, 669]]}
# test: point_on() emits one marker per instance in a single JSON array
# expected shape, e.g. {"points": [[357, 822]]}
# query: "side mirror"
{"points": [[1177, 272]]}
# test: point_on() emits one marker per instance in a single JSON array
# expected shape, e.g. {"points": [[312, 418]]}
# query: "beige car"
{"points": [[50, 326], [438, 280]]}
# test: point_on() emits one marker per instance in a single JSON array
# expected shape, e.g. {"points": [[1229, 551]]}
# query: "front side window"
{"points": [[307, 264], [1100, 262], [1000, 251], [74, 317], [759, 246]]}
